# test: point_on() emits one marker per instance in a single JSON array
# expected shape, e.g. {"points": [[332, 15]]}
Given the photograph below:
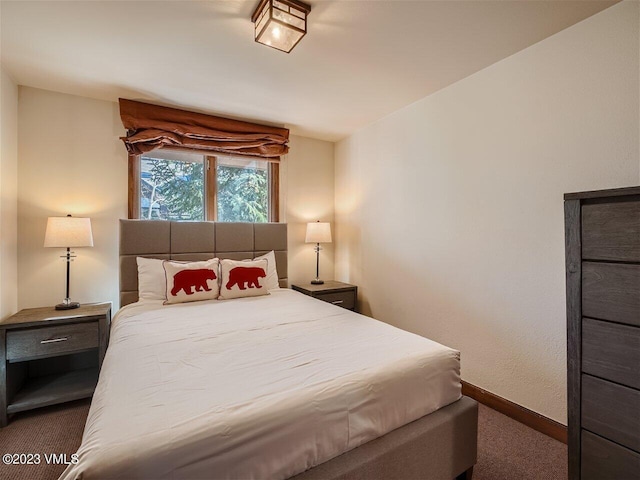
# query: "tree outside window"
{"points": [[242, 192], [176, 186]]}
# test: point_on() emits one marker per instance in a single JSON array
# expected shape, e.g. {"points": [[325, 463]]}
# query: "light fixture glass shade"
{"points": [[280, 24], [318, 232], [68, 232]]}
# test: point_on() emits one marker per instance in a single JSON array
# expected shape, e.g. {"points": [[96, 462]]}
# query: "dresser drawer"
{"points": [[611, 351], [612, 411], [611, 292], [604, 460], [611, 231], [44, 342], [341, 299]]}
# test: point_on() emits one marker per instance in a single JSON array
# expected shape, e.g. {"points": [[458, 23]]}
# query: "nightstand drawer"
{"points": [[341, 299], [338, 293], [44, 342]]}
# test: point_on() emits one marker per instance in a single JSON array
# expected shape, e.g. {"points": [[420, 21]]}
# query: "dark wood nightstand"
{"points": [[341, 294], [51, 356]]}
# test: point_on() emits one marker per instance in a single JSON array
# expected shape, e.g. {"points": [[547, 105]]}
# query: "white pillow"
{"points": [[271, 281], [151, 280], [192, 281], [243, 278]]}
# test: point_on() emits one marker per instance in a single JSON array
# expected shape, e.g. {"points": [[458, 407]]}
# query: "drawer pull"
{"points": [[55, 340], [337, 302]]}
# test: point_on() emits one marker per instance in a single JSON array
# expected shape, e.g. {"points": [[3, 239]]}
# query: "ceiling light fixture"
{"points": [[280, 24]]}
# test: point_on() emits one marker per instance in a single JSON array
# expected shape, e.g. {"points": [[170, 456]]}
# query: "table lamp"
{"points": [[318, 232], [68, 232]]}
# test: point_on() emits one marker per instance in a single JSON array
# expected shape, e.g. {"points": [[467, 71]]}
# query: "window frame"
{"points": [[210, 190]]}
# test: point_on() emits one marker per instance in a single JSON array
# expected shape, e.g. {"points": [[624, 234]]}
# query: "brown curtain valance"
{"points": [[152, 126]]}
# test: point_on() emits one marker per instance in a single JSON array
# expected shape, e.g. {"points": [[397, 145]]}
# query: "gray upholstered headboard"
{"points": [[195, 241]]}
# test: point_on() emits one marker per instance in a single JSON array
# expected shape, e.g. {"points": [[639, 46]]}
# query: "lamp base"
{"points": [[67, 306], [317, 281]]}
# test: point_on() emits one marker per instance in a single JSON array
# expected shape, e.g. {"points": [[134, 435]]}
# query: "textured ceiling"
{"points": [[361, 60]]}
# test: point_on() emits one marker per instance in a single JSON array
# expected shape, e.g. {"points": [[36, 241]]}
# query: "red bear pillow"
{"points": [[191, 282], [243, 278]]}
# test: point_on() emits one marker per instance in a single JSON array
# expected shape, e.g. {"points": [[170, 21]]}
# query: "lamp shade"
{"points": [[66, 232], [318, 232]]}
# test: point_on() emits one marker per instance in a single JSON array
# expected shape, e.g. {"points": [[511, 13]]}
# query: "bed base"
{"points": [[440, 446]]}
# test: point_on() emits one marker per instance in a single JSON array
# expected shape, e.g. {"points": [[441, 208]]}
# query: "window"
{"points": [[185, 186], [172, 187], [242, 188]]}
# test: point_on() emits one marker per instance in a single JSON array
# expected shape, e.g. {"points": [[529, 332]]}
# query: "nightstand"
{"points": [[341, 294], [51, 356]]}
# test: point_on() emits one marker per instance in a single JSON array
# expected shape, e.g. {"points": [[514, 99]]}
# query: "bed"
{"points": [[277, 386]]}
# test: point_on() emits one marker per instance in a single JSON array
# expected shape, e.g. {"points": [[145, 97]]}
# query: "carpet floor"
{"points": [[506, 449]]}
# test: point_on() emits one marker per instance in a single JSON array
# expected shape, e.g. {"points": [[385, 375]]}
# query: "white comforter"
{"points": [[254, 388]]}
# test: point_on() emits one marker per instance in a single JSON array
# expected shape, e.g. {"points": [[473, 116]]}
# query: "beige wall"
{"points": [[71, 161], [450, 211], [309, 178], [8, 195]]}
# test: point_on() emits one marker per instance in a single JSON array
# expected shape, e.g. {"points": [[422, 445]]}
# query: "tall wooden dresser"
{"points": [[602, 234]]}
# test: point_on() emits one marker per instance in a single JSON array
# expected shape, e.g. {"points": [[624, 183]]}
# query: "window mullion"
{"points": [[134, 187], [274, 191], [211, 187]]}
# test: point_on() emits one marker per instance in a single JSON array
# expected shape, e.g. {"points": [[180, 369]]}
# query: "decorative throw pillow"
{"points": [[271, 281], [191, 282], [151, 280], [244, 278]]}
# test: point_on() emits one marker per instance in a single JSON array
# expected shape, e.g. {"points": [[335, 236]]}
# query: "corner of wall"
{"points": [[468, 223], [8, 195]]}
